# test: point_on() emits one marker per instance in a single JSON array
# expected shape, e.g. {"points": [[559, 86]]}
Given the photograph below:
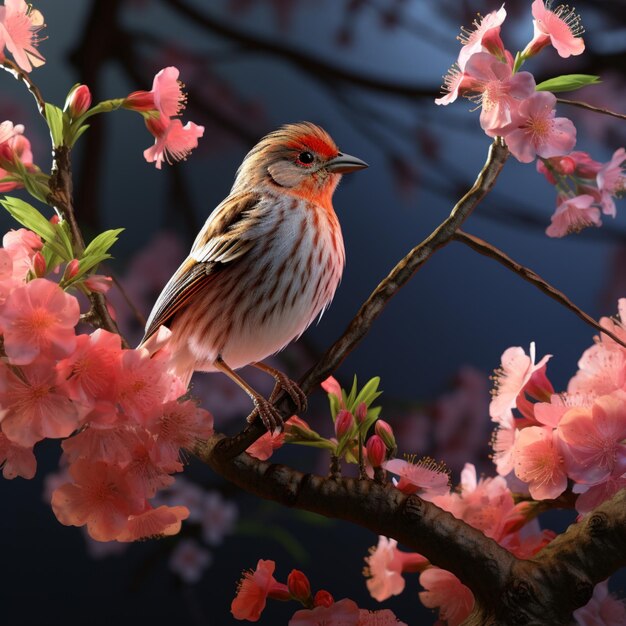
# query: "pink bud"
{"points": [[99, 283], [141, 101], [39, 265], [565, 165], [299, 586], [376, 451], [71, 269], [55, 219], [344, 423], [385, 432], [361, 412], [323, 598], [78, 101]]}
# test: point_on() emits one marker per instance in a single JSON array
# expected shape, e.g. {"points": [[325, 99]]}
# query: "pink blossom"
{"points": [[174, 142], [604, 609], [21, 245], [163, 521], [333, 388], [539, 462], [499, 90], [166, 96], [592, 496], [94, 368], [19, 25], [218, 518], [611, 181], [426, 478], [561, 28], [35, 405], [510, 380], [264, 446], [98, 283], [16, 460], [342, 613], [39, 319], [254, 589], [99, 497], [455, 82], [595, 439], [384, 617], [534, 131], [189, 560], [385, 565], [15, 153], [112, 443], [484, 37], [444, 591], [573, 215], [503, 442]]}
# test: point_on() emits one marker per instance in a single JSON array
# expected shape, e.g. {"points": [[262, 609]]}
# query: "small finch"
{"points": [[266, 263]]}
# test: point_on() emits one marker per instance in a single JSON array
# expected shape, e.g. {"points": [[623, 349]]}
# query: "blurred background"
{"points": [[368, 71]]}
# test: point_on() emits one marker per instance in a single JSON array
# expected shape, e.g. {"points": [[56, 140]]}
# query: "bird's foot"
{"points": [[269, 414], [284, 383]]}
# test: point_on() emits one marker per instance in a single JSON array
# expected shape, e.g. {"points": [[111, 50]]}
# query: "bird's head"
{"points": [[301, 159]]}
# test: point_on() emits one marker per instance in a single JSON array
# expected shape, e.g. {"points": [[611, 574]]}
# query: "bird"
{"points": [[263, 267]]}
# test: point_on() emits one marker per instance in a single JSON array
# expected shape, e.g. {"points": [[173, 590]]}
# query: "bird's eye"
{"points": [[306, 158]]}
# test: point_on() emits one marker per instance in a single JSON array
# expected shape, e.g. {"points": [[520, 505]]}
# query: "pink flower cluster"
{"points": [[320, 609], [510, 107], [161, 107], [586, 188], [117, 410], [19, 25], [15, 153], [577, 436], [486, 504]]}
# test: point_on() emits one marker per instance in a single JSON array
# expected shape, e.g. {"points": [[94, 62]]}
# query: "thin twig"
{"points": [[376, 303], [527, 274], [20, 74], [590, 107]]}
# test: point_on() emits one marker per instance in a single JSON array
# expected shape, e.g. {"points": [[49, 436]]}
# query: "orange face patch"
{"points": [[317, 144]]}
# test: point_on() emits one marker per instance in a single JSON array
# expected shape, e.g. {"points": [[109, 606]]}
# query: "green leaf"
{"points": [[30, 217], [568, 82], [54, 117], [352, 395], [369, 393], [322, 443], [77, 133], [101, 244]]}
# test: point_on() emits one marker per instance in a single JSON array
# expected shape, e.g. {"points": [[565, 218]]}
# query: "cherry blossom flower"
{"points": [[592, 496], [16, 460], [189, 560], [561, 28], [99, 497], [15, 152], [444, 591], [21, 245], [511, 379], [385, 565], [332, 387], [595, 439], [534, 131], [384, 617], [163, 521], [612, 181], [174, 142], [426, 478], [498, 90], [604, 609], [219, 518], [35, 405], [39, 319], [19, 25], [264, 446], [455, 83], [484, 37], [573, 215], [112, 443], [342, 613], [166, 96], [539, 462], [254, 589], [502, 443]]}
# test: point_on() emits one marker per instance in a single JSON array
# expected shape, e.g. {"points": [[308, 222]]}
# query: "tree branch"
{"points": [[375, 304], [527, 274], [590, 107], [19, 74]]}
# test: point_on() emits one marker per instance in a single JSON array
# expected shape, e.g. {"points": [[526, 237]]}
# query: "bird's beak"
{"points": [[344, 163]]}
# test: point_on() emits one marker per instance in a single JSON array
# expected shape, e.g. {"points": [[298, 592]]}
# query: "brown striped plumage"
{"points": [[265, 264]]}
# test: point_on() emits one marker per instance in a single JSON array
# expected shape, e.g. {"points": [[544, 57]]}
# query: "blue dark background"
{"points": [[368, 71]]}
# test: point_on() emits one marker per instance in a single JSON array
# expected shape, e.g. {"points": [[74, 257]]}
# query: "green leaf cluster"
{"points": [[568, 82]]}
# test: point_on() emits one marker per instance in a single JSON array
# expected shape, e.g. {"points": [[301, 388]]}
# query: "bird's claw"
{"points": [[269, 414], [284, 383]]}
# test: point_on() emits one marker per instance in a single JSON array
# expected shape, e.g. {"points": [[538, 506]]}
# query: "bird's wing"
{"points": [[228, 234]]}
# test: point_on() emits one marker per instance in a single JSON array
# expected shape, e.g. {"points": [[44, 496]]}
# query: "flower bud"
{"points": [[299, 586], [376, 451], [78, 101], [142, 101], [71, 269], [385, 432], [361, 412], [39, 265], [98, 283], [344, 423], [323, 598], [55, 219]]}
